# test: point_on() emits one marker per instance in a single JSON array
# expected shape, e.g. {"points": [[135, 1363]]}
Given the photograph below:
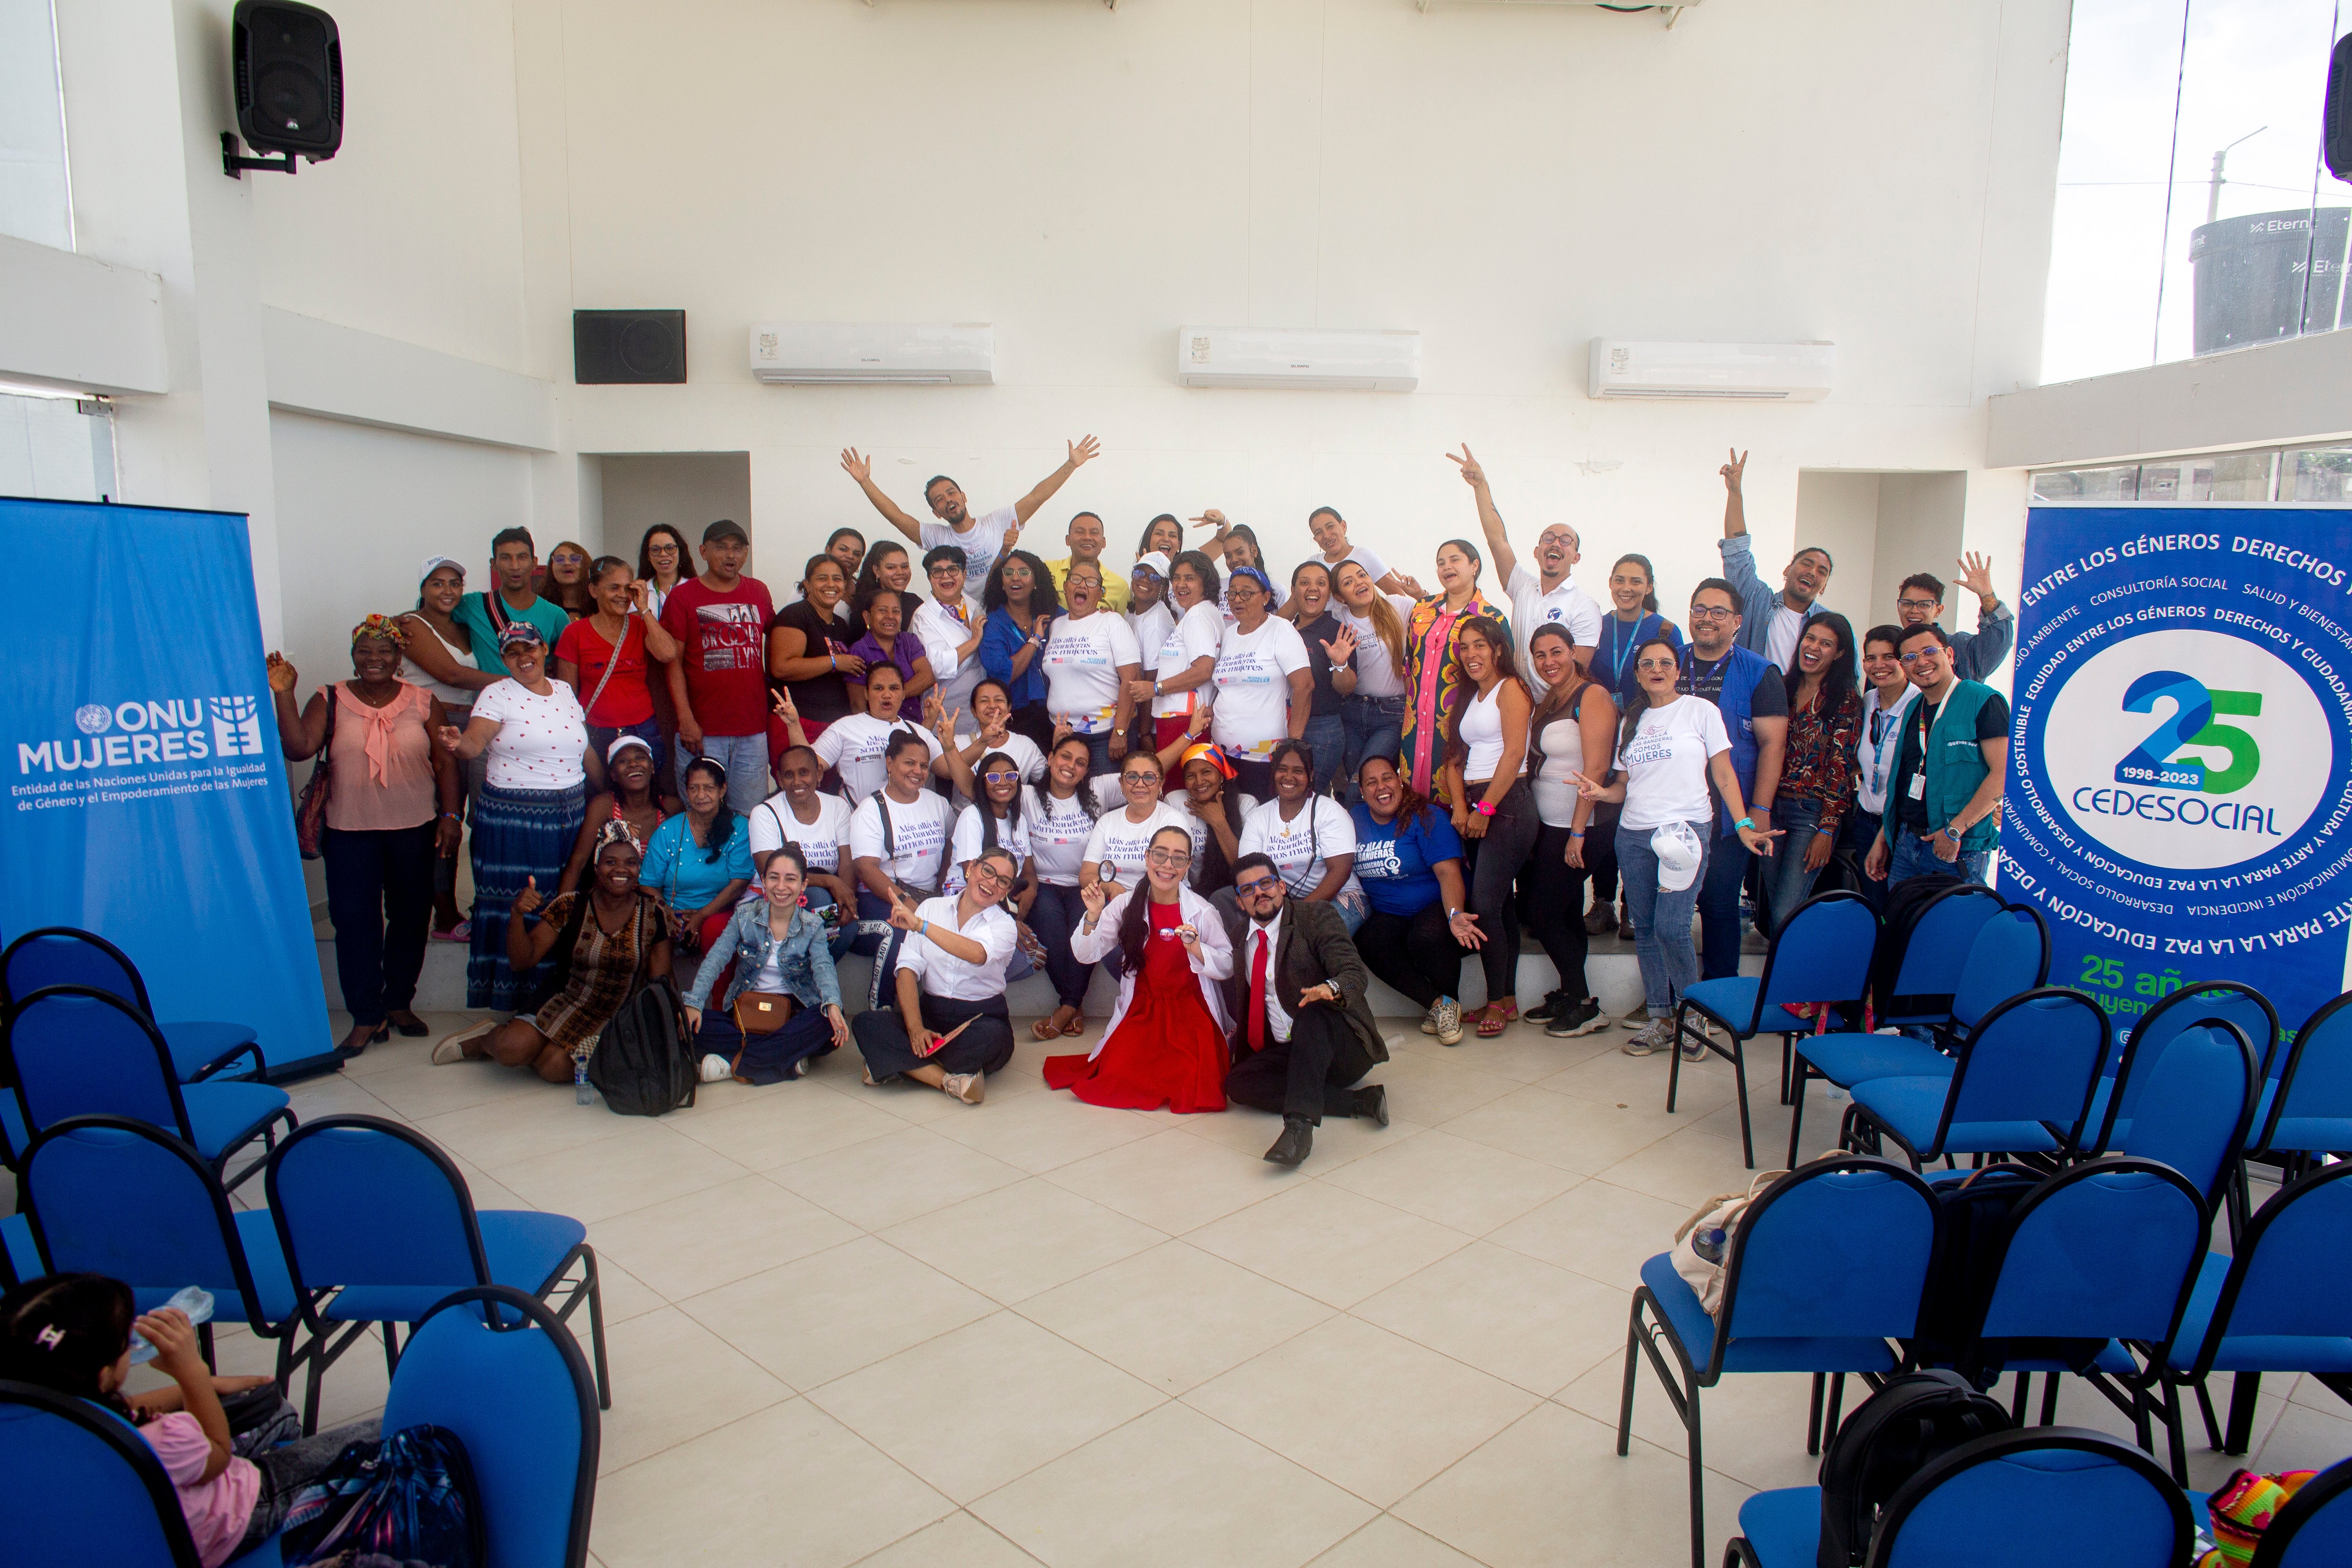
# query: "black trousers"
{"points": [[380, 895], [1416, 955], [986, 1047], [1552, 907], [1601, 851], [1307, 1075]]}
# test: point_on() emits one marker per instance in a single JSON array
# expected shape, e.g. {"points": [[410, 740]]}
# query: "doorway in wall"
{"points": [[1881, 527], [688, 490]]}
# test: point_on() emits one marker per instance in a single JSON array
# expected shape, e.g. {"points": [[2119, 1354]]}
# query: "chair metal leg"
{"points": [[1837, 1402], [391, 1349], [1739, 1074], [1787, 1053], [2018, 1398], [595, 1287], [2049, 1399], [2243, 1391], [1632, 1358], [2174, 1441], [1698, 1483], [2205, 1409], [1796, 1108], [1675, 1050], [1813, 1415]]}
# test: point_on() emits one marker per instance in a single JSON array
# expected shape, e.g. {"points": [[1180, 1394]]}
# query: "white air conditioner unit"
{"points": [[1303, 359], [828, 353], [1777, 372]]}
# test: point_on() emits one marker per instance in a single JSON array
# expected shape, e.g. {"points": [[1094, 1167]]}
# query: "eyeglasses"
{"points": [[1712, 613], [1256, 885], [984, 875], [1175, 860], [1656, 664], [661, 549], [1915, 604], [1002, 778], [1929, 653]]}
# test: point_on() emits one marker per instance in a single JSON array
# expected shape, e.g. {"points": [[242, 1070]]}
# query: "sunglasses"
{"points": [[1928, 653], [1002, 778]]}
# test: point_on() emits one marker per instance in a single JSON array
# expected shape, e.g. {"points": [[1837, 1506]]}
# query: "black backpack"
{"points": [[410, 1499], [644, 1064], [1907, 902], [1891, 1436], [1971, 1224]]}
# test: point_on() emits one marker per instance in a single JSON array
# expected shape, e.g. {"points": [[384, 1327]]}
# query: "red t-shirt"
{"points": [[625, 701], [722, 647]]}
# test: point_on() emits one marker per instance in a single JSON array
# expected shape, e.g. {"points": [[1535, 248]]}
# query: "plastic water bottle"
{"points": [[579, 1091], [195, 1301]]}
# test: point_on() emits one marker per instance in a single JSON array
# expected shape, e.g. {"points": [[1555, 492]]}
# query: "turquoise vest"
{"points": [[1955, 763]]}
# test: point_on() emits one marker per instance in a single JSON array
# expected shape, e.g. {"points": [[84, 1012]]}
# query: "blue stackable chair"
{"points": [[2101, 1254], [1935, 954], [2049, 1496], [1822, 955], [2009, 954], [491, 1365], [2314, 1528], [1823, 1269], [108, 1195], [60, 955], [2196, 1101], [2307, 1102], [74, 1050], [2121, 1082], [377, 1226], [2023, 1084], [2283, 1303]]}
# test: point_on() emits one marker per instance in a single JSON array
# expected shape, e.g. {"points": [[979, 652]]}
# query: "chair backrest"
{"points": [[2195, 1103], [2035, 1058], [2009, 955], [62, 955], [2104, 1250], [74, 1050], [1838, 1246], [1938, 946], [360, 1201], [2043, 1497], [2311, 1531], [1822, 953], [109, 1196], [2291, 1276], [494, 1366], [83, 1486], [2315, 1077], [2238, 1003]]}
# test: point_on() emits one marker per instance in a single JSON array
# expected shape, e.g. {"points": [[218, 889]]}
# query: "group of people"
{"points": [[1086, 765]]}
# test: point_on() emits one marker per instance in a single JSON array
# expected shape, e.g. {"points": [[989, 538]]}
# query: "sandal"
{"points": [[1496, 1017], [1074, 1028]]}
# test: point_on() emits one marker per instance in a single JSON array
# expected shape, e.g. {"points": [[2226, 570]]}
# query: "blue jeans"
{"points": [[1055, 916], [1911, 856], [1326, 737], [1662, 921], [745, 758], [1786, 882], [1375, 728], [1718, 902]]}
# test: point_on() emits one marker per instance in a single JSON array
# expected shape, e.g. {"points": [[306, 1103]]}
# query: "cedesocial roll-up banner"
{"points": [[2179, 802], [147, 796]]}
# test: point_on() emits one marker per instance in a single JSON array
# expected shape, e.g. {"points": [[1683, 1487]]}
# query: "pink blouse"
{"points": [[383, 759]]}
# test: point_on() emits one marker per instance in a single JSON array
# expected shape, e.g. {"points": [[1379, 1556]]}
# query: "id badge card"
{"points": [[1918, 790]]}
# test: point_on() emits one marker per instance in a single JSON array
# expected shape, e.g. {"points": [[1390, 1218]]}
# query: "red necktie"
{"points": [[1257, 994]]}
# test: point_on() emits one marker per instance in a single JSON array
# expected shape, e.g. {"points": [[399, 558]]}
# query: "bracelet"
{"points": [[451, 816], [1483, 808], [1747, 822], [1576, 833]]}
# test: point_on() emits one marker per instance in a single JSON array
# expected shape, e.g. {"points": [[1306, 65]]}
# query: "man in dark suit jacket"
{"points": [[1302, 1030]]}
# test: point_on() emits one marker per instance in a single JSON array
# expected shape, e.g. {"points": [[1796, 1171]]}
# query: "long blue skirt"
{"points": [[518, 834]]}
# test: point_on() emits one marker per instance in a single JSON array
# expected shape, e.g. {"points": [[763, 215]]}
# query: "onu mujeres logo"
{"points": [[139, 734]]}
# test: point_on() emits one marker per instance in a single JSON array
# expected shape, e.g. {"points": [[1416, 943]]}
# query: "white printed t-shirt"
{"points": [[981, 546], [773, 825], [541, 739], [919, 833], [1665, 764], [853, 747], [1123, 842], [1301, 848], [1082, 661], [1567, 605], [1196, 636], [1253, 687]]}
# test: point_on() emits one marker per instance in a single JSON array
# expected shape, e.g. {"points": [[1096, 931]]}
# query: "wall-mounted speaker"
{"points": [[2336, 134], [611, 347], [289, 64]]}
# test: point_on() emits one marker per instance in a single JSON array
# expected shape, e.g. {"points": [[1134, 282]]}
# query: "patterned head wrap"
{"points": [[1209, 752], [383, 626], [617, 831], [1261, 580]]}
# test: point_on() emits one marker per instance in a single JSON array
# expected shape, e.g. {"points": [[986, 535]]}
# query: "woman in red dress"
{"points": [[1166, 1042]]}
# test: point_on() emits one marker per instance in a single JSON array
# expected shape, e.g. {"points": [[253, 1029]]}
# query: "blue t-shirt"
{"points": [[473, 613], [682, 871], [1395, 865], [1000, 645]]}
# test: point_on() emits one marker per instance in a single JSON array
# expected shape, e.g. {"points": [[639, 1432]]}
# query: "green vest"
{"points": [[1955, 763]]}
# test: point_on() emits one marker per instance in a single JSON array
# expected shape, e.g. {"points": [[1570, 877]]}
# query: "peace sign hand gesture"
{"points": [[780, 699], [1472, 474], [1211, 518], [1584, 786], [1734, 470]]}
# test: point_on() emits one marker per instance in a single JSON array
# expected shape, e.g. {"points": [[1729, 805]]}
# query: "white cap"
{"points": [[1157, 563], [435, 562], [1679, 852], [622, 743]]}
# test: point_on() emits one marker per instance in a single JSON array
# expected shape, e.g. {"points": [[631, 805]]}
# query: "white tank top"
{"points": [[413, 673], [1481, 731], [1563, 752]]}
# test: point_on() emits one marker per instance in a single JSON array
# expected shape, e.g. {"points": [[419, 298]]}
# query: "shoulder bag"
{"points": [[311, 810]]}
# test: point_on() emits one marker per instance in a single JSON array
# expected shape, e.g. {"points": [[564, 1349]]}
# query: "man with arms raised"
{"points": [[1770, 623], [982, 539], [1548, 595], [1303, 1031]]}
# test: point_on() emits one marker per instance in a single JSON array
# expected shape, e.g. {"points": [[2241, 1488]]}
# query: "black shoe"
{"points": [[1554, 1003], [415, 1031], [1577, 1019], [1297, 1140], [1372, 1101]]}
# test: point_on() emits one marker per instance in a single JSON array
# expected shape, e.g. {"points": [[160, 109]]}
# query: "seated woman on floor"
{"points": [[945, 1022], [606, 940], [780, 949]]}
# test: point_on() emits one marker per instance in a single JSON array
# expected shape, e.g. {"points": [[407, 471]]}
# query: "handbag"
{"points": [[1703, 1242], [762, 1012], [311, 809]]}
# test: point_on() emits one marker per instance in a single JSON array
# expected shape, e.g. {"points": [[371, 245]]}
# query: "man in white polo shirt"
{"points": [[982, 539], [1547, 594]]}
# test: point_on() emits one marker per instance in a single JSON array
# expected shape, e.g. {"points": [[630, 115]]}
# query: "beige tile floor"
{"points": [[875, 1326]]}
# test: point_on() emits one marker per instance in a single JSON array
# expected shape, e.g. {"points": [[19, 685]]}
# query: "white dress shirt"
{"points": [[1277, 1022], [942, 974]]}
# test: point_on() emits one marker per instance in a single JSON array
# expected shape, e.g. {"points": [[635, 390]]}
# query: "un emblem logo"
{"points": [[92, 717]]}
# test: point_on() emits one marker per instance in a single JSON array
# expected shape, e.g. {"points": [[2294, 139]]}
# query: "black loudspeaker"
{"points": [[627, 346], [289, 61], [2335, 135]]}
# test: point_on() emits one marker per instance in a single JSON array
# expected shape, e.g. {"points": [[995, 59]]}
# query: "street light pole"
{"points": [[2213, 188]]}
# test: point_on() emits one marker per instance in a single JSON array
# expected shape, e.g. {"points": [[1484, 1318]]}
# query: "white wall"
{"points": [[1839, 511], [688, 490]]}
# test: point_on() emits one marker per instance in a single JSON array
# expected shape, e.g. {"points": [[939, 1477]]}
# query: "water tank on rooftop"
{"points": [[2264, 276]]}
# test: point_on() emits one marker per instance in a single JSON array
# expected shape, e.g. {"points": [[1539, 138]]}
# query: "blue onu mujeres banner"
{"points": [[147, 795], [2180, 755]]}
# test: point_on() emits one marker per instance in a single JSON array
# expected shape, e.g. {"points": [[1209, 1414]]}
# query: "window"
{"points": [[2305, 474]]}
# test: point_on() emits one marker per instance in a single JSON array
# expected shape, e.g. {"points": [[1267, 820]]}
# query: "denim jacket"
{"points": [[807, 960]]}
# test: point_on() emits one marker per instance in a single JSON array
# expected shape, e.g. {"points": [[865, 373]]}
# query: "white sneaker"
{"points": [[967, 1087], [716, 1067], [1429, 1019], [1448, 1019], [1658, 1035]]}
